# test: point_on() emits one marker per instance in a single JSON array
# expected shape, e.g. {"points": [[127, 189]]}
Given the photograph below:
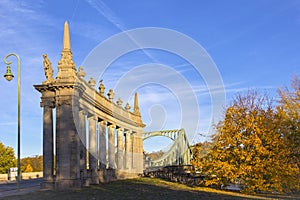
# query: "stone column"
{"points": [[102, 144], [93, 150], [111, 147], [137, 152], [67, 141], [120, 149], [141, 151], [83, 144], [128, 150], [48, 158], [134, 148]]}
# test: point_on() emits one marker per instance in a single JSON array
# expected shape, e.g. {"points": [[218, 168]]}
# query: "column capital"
{"points": [[127, 131], [111, 126], [48, 102], [120, 129], [60, 100], [83, 111], [102, 121], [91, 116]]}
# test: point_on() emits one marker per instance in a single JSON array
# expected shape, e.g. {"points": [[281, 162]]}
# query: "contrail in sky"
{"points": [[104, 10]]}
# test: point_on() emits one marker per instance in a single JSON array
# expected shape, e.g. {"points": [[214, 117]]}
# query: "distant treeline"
{"points": [[8, 160], [32, 164], [154, 155]]}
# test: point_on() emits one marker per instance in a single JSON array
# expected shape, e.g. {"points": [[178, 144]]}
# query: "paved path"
{"points": [[26, 186]]}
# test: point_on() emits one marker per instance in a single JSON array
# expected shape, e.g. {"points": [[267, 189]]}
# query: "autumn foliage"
{"points": [[257, 145], [32, 164], [7, 158]]}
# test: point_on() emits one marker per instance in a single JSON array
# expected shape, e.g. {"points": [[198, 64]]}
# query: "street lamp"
{"points": [[9, 76]]}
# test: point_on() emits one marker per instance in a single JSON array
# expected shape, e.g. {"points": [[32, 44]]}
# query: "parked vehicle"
{"points": [[12, 173]]}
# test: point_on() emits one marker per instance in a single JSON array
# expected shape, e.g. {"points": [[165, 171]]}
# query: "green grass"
{"points": [[141, 188]]}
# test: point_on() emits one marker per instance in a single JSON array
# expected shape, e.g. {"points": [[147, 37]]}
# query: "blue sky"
{"points": [[254, 44]]}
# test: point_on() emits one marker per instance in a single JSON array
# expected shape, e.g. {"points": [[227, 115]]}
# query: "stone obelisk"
{"points": [[67, 139]]}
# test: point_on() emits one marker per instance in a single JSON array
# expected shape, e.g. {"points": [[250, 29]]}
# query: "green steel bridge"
{"points": [[180, 152]]}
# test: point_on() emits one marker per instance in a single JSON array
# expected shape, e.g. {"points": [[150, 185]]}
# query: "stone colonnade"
{"points": [[114, 152], [96, 139], [111, 152]]}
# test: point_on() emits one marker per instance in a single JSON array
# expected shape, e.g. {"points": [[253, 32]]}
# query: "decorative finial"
{"points": [[119, 102], [48, 70], [101, 88], [127, 107], [66, 66], [92, 82], [81, 73], [66, 43], [110, 95], [136, 109]]}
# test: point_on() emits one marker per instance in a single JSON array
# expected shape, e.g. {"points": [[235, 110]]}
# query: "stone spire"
{"points": [[66, 43], [136, 109], [66, 66]]}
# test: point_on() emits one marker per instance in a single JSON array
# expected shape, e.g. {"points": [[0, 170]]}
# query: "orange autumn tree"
{"points": [[289, 113], [249, 148], [200, 151]]}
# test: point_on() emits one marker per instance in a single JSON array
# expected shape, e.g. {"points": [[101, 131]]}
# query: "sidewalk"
{"points": [[9, 188]]}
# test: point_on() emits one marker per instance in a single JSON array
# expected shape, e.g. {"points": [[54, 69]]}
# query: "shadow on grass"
{"points": [[142, 188]]}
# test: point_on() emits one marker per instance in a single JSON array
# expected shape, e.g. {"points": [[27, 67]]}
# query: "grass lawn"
{"points": [[141, 188]]}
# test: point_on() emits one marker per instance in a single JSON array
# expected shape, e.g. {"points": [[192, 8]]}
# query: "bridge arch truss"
{"points": [[180, 152]]}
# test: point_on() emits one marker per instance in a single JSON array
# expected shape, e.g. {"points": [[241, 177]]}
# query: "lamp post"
{"points": [[9, 76]]}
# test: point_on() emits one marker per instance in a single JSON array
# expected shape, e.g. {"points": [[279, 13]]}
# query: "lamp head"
{"points": [[8, 75]]}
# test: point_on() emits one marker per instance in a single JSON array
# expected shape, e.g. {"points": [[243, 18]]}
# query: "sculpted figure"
{"points": [[48, 69]]}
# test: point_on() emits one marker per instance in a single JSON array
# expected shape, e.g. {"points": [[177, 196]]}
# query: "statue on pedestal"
{"points": [[48, 70]]}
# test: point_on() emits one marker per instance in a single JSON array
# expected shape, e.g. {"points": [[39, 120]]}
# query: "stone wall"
{"points": [[25, 176]]}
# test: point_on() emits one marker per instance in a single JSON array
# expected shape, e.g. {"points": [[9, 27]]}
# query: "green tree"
{"points": [[7, 158]]}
